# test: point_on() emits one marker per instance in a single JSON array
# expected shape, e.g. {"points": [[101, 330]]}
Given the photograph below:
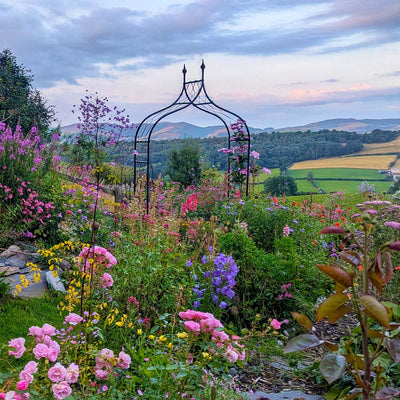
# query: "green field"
{"points": [[338, 173], [350, 186], [306, 187]]}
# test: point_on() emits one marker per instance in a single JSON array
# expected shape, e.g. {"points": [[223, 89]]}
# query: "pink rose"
{"points": [[25, 376], [101, 374], [48, 330], [106, 353], [54, 351], [31, 367], [36, 331], [275, 324], [73, 318], [57, 373], [106, 280], [61, 390], [192, 326], [40, 351], [11, 396], [19, 346], [22, 385], [220, 336], [72, 373], [124, 360]]}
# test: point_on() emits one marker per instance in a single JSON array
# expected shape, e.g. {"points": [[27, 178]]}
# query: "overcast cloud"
{"points": [[72, 44]]}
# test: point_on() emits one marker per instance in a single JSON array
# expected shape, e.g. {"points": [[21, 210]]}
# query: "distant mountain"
{"points": [[181, 130], [173, 130], [348, 124]]}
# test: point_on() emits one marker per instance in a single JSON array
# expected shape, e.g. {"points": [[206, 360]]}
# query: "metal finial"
{"points": [[202, 66], [184, 69]]}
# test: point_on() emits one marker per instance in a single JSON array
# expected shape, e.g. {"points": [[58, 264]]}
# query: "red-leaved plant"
{"points": [[360, 278]]}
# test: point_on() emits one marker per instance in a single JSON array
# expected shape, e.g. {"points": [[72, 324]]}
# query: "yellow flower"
{"points": [[139, 332], [182, 335], [152, 337], [169, 345], [206, 355], [162, 338]]}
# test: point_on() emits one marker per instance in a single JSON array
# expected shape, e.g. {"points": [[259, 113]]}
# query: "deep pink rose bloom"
{"points": [[73, 318], [22, 385], [40, 351], [72, 373], [275, 324], [31, 367], [124, 360], [61, 390], [192, 326], [48, 330], [19, 346], [25, 376], [57, 373]]}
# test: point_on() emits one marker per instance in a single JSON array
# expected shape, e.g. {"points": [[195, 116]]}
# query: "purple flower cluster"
{"points": [[220, 280]]}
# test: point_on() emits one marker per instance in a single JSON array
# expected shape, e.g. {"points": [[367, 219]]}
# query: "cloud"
{"points": [[69, 40]]}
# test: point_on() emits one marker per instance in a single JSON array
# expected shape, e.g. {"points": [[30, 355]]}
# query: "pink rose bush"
{"points": [[19, 345], [205, 324]]}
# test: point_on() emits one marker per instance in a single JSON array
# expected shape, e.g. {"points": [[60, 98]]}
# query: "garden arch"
{"points": [[194, 94]]}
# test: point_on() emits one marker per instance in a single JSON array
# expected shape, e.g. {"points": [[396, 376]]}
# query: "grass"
{"points": [[338, 173], [17, 315], [388, 147], [365, 162], [306, 186], [350, 186]]}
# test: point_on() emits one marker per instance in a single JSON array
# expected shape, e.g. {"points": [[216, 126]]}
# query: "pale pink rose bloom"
{"points": [[19, 346], [61, 390], [266, 170], [48, 330], [124, 360], [11, 395], [73, 319], [242, 355], [52, 354], [210, 324], [26, 376], [222, 336], [107, 280], [35, 331], [192, 326], [275, 324], [22, 385], [106, 353], [101, 374], [31, 367], [72, 373], [231, 355], [40, 351], [57, 373]]}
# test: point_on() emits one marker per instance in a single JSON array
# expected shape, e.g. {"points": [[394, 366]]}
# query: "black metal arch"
{"points": [[194, 94]]}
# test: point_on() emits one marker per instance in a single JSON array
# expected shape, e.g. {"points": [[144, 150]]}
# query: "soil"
{"points": [[275, 374]]}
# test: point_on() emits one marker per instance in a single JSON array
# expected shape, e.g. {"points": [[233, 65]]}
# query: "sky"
{"points": [[276, 63]]}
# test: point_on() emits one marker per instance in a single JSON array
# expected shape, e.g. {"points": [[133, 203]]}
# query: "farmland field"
{"points": [[306, 187], [338, 173], [350, 186], [367, 162], [376, 148]]}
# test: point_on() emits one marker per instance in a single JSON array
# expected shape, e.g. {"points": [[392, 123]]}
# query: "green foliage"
{"points": [[183, 164], [4, 287], [19, 101], [280, 186]]}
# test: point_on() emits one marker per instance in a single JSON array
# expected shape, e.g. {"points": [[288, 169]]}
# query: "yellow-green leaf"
{"points": [[303, 320], [331, 304], [338, 313], [337, 274], [375, 309]]}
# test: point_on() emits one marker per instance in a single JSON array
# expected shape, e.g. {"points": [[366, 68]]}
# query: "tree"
{"points": [[183, 164], [280, 186], [20, 103]]}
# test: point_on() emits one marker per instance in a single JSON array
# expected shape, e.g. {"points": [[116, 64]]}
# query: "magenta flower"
{"points": [[392, 224], [22, 385], [275, 324]]}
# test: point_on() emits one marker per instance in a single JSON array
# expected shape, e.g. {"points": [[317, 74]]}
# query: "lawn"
{"points": [[306, 187]]}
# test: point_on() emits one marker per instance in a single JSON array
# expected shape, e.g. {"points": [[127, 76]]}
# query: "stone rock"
{"points": [[289, 395], [18, 260], [34, 289], [65, 265], [55, 283], [10, 251], [9, 270]]}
